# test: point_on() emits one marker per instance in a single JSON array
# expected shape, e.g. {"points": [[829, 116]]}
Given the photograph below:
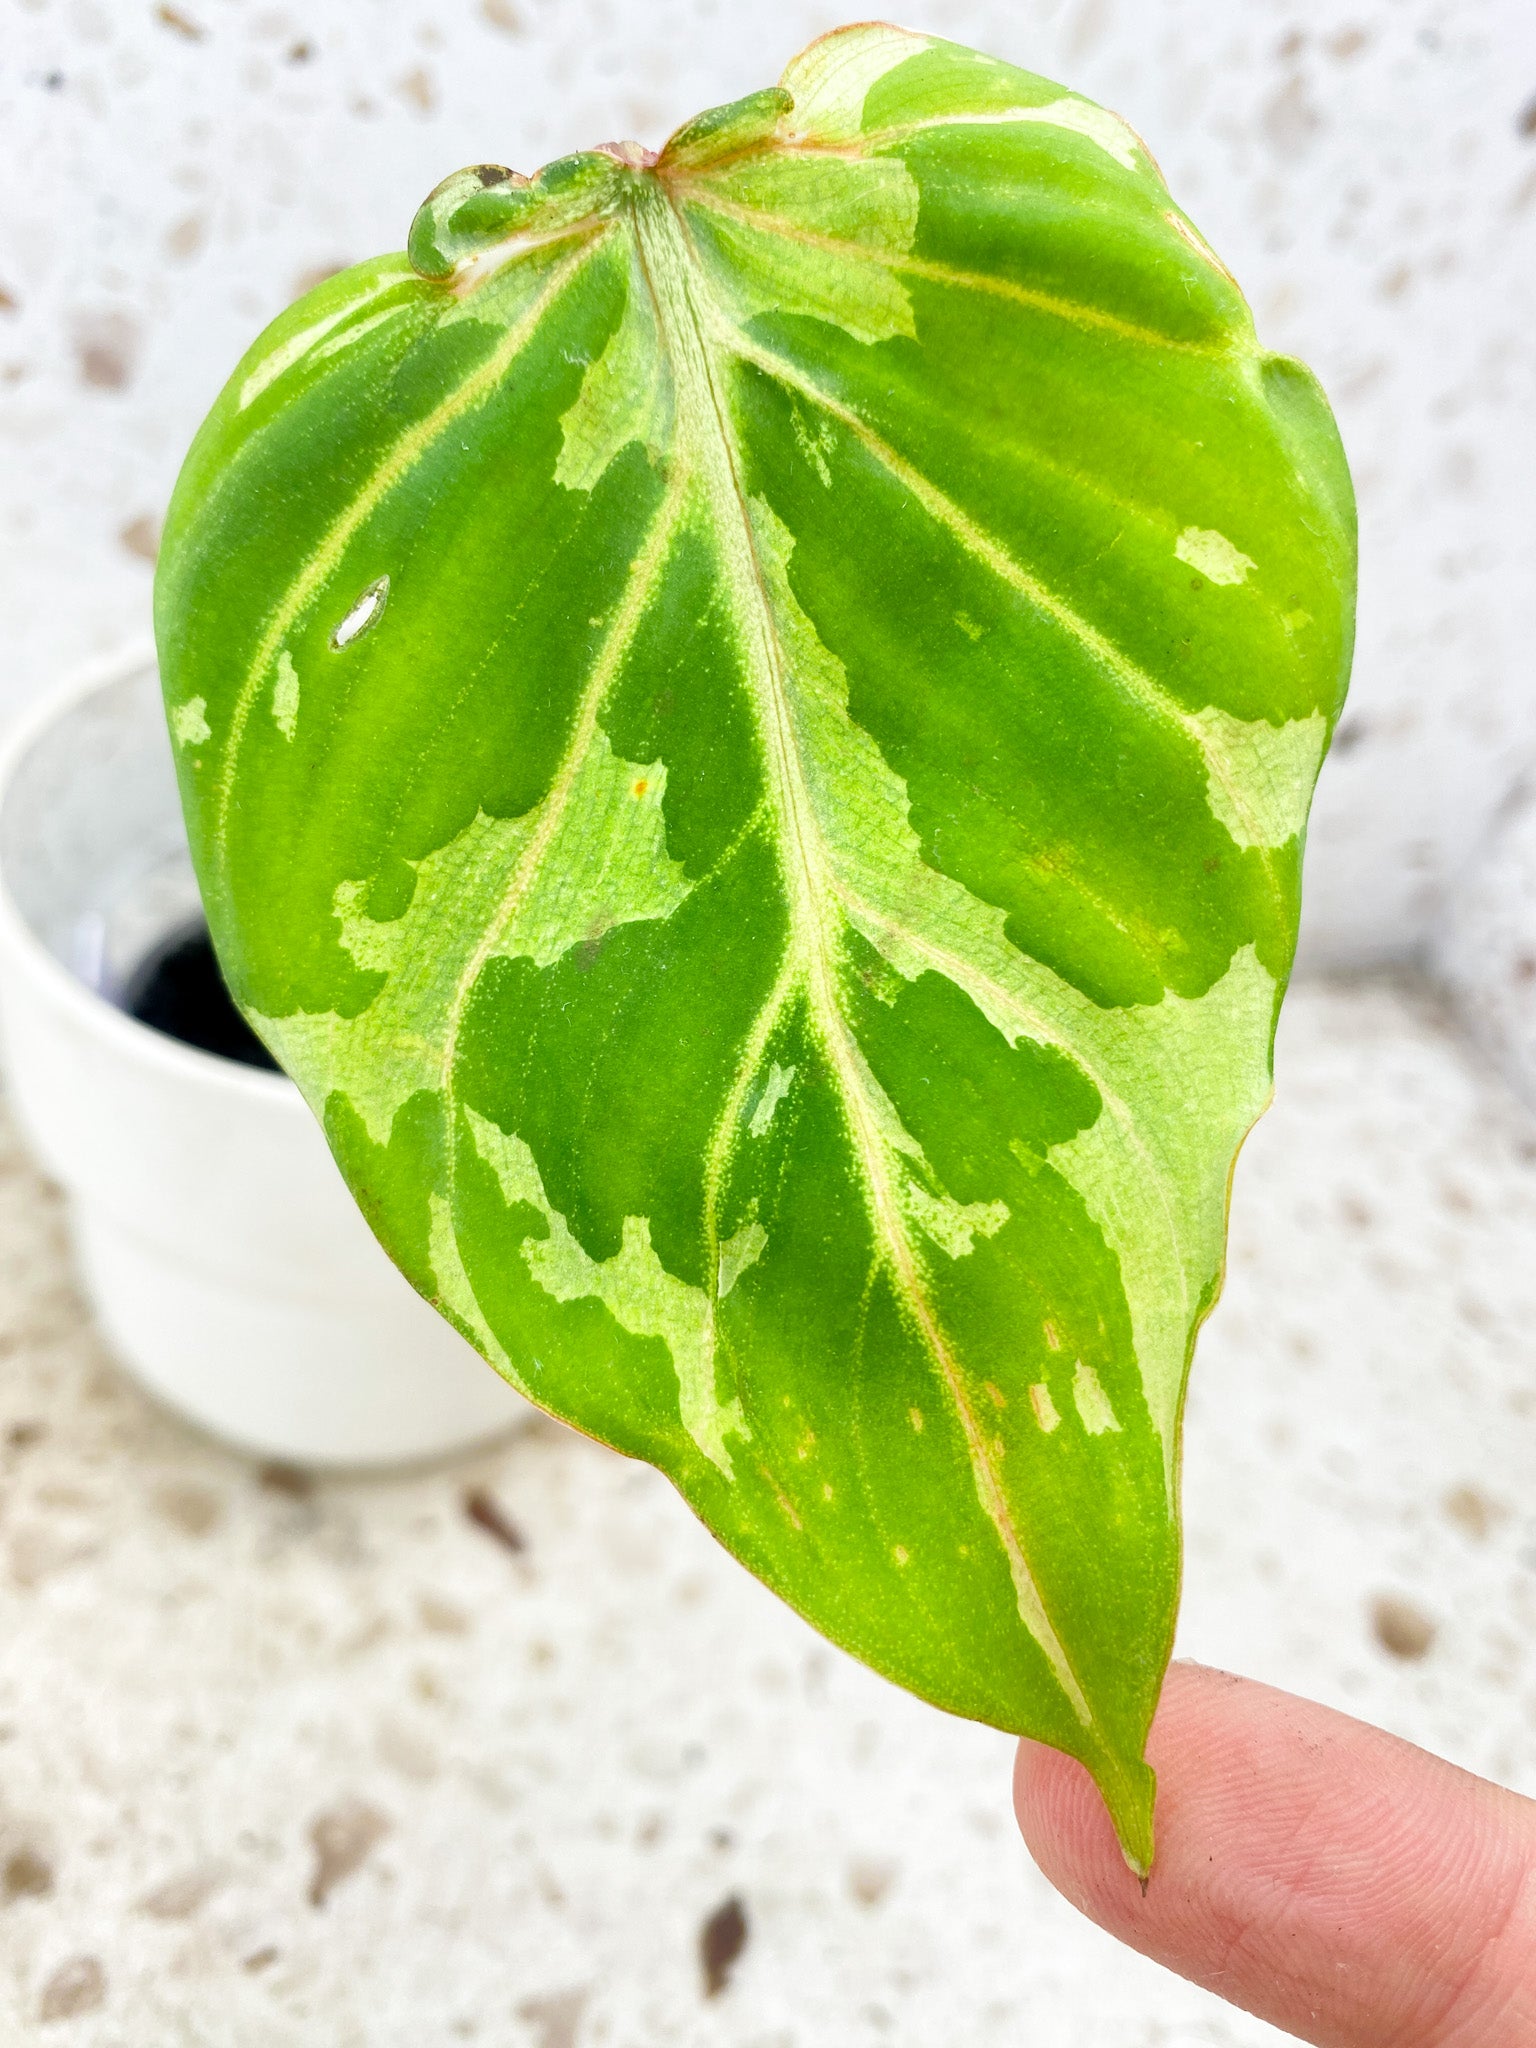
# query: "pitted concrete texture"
{"points": [[289, 1763]]}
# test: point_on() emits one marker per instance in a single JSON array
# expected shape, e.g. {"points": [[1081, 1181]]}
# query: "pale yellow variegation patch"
{"points": [[1095, 124], [1091, 1401], [1213, 555], [285, 696], [1043, 1407], [775, 1088], [777, 222], [738, 1252], [831, 80], [189, 722], [626, 395], [634, 1286], [1189, 1067], [1274, 765], [604, 863]]}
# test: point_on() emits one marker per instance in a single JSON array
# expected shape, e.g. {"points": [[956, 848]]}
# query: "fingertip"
{"points": [[1314, 1870], [1067, 1829]]}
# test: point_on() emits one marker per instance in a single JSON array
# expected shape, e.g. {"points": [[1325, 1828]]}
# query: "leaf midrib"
{"points": [[673, 273]]}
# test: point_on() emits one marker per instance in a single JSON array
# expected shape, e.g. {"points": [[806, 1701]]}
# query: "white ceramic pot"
{"points": [[227, 1263]]}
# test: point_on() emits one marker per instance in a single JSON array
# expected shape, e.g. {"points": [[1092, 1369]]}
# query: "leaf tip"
{"points": [[1130, 1794]]}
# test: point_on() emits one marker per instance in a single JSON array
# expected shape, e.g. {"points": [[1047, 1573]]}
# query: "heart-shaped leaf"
{"points": [[747, 720]]}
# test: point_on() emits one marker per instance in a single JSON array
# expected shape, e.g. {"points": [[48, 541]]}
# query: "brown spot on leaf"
{"points": [[343, 1840], [76, 1987], [141, 537], [487, 1513], [721, 1941], [106, 345], [180, 24], [25, 1875], [641, 786], [1402, 1629], [555, 2016], [1473, 1512]]}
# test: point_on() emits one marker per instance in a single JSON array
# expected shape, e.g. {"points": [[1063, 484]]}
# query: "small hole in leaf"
{"points": [[367, 612]]}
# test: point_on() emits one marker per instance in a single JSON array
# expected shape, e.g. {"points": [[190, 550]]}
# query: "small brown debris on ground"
{"points": [[344, 1839], [443, 1617], [180, 1897], [555, 2017], [186, 237], [1473, 1512], [141, 537], [1402, 1629], [721, 1941], [78, 1986], [106, 345], [25, 1875], [869, 1879], [180, 24], [195, 1510], [285, 1479], [487, 1513], [418, 88]]}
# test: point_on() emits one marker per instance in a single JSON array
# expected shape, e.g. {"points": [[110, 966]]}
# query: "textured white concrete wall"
{"points": [[171, 175]]}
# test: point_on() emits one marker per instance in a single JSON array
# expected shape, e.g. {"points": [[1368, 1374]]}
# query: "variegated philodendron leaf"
{"points": [[747, 719]]}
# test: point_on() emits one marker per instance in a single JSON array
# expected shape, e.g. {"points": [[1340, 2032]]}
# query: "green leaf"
{"points": [[747, 721]]}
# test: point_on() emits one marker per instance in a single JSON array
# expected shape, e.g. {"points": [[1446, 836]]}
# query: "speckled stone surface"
{"points": [[287, 1764]]}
